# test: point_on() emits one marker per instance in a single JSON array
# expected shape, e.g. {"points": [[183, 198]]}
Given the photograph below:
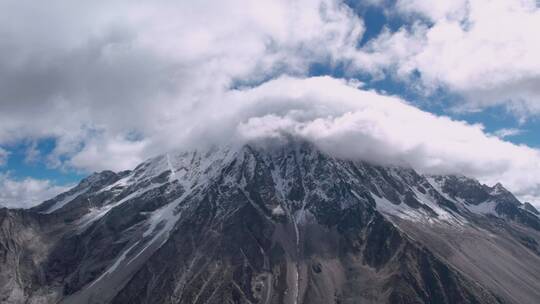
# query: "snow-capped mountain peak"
{"points": [[267, 221]]}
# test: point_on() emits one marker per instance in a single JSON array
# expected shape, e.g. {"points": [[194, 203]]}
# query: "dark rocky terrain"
{"points": [[285, 224]]}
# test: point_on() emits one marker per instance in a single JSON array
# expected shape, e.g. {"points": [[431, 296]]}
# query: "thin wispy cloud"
{"points": [[507, 132]]}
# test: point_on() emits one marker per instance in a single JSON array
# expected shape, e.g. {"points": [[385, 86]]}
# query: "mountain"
{"points": [[271, 224]]}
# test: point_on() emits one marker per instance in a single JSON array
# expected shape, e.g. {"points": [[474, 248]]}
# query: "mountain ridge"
{"points": [[287, 224]]}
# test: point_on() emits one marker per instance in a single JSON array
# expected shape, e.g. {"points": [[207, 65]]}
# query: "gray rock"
{"points": [[271, 224]]}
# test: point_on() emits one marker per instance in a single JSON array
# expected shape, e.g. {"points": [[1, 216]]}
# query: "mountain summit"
{"points": [[271, 224]]}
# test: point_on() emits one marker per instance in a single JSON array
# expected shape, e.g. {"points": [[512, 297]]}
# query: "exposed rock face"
{"points": [[527, 206], [285, 224]]}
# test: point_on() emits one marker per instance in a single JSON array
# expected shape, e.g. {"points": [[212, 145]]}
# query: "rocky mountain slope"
{"points": [[279, 224]]}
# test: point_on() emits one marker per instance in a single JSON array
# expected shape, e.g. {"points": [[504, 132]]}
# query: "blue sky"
{"points": [[77, 84], [493, 119], [20, 167]]}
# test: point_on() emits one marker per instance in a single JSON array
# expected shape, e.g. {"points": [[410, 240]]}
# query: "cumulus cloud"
{"points": [[483, 50], [358, 124], [27, 192], [101, 76], [115, 82]]}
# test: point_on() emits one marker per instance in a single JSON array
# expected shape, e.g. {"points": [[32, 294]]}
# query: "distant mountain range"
{"points": [[271, 224]]}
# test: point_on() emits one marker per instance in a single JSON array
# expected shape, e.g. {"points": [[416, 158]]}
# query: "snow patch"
{"points": [[114, 266], [402, 210], [97, 213], [64, 201], [278, 210], [484, 208], [121, 183], [443, 214]]}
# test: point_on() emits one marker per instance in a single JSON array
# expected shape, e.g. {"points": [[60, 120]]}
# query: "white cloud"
{"points": [[32, 153], [359, 124], [435, 10], [3, 156], [342, 119], [110, 154], [92, 75], [114, 82], [483, 50], [27, 192], [507, 132]]}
